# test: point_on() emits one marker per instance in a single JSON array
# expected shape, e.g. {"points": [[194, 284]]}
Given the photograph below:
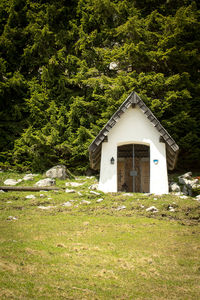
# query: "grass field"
{"points": [[75, 246]]}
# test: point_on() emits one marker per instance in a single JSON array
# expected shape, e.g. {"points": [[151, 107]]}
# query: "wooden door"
{"points": [[124, 180], [145, 175]]}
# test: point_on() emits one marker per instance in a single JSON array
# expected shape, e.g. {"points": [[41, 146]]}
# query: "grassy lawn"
{"points": [[85, 249]]}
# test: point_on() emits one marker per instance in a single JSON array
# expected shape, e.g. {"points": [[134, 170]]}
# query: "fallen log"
{"points": [[29, 188]]}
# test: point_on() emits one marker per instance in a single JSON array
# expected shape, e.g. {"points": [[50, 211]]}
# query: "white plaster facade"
{"points": [[134, 128]]}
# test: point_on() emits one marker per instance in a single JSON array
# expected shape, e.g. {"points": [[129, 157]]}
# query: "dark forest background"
{"points": [[66, 66]]}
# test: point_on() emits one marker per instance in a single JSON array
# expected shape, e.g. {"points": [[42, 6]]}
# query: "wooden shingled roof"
{"points": [[133, 99]]}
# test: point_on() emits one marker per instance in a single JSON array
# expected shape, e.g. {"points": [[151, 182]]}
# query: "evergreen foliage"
{"points": [[66, 66]]}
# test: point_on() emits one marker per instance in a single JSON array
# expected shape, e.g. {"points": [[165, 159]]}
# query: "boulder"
{"points": [[74, 184], [197, 197], [45, 182], [121, 207], [67, 204], [183, 181], [69, 191], [30, 197], [152, 209], [113, 65], [187, 175], [185, 190], [11, 181], [28, 177], [58, 171], [94, 186], [174, 187]]}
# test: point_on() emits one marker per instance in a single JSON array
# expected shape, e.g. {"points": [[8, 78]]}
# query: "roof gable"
{"points": [[132, 100]]}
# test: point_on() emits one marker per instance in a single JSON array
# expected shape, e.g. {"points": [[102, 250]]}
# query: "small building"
{"points": [[133, 151]]}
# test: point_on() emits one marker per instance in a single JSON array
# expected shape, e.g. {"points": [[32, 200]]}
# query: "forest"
{"points": [[67, 65]]}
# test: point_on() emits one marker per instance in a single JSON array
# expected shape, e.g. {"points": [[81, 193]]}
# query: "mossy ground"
{"points": [[95, 250]]}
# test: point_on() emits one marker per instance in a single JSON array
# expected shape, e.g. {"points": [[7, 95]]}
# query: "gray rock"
{"points": [[94, 186], [85, 202], [187, 175], [1, 191], [197, 198], [28, 177], [171, 209], [30, 197], [185, 190], [58, 171], [183, 180], [69, 191], [74, 184], [11, 218], [193, 182], [45, 207], [45, 182], [113, 65], [99, 200], [152, 209], [183, 197], [67, 204], [121, 207], [95, 193], [11, 181], [174, 187]]}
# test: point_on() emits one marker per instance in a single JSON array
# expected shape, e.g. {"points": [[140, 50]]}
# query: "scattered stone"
{"points": [[49, 198], [184, 197], [80, 194], [171, 209], [99, 200], [113, 65], [94, 186], [1, 191], [185, 190], [193, 182], [152, 209], [147, 194], [67, 204], [197, 197], [85, 202], [127, 194], [45, 182], [9, 202], [28, 177], [58, 171], [89, 177], [142, 206], [121, 207], [155, 199], [11, 181], [45, 207], [69, 191], [183, 180], [95, 193], [187, 175], [74, 184], [42, 195], [30, 197], [174, 187], [11, 218], [178, 194]]}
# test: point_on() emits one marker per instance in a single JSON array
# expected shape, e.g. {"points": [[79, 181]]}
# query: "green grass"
{"points": [[95, 251]]}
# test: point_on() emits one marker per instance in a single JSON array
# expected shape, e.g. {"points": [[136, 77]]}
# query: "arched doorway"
{"points": [[133, 168]]}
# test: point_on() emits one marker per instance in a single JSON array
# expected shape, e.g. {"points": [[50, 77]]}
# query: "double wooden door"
{"points": [[133, 173]]}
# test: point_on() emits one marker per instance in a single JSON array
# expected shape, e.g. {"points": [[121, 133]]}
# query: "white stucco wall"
{"points": [[134, 128]]}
